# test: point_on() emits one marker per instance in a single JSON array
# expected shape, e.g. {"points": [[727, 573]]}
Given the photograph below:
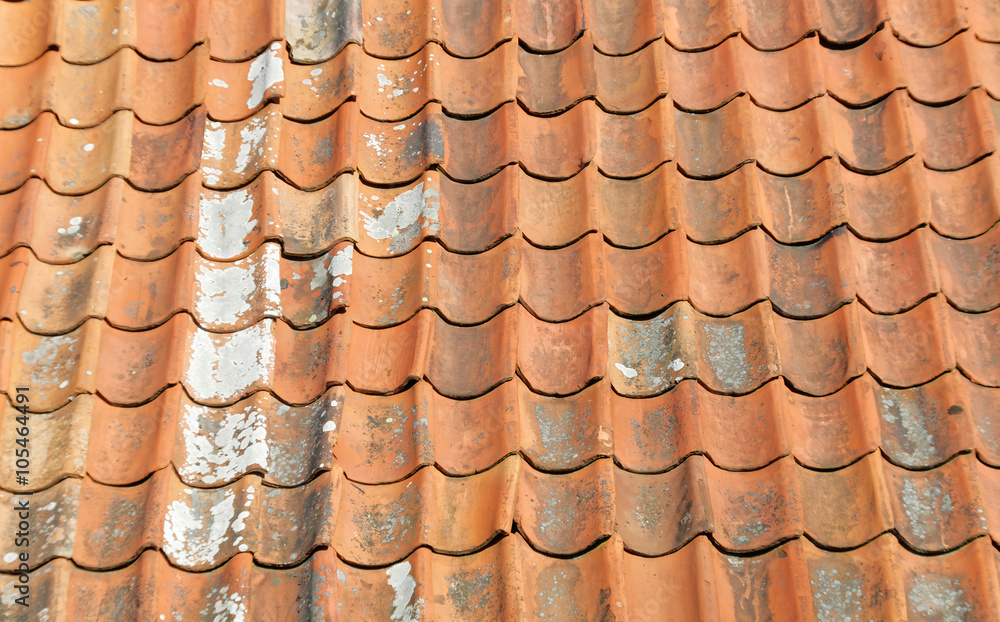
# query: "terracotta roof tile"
{"points": [[497, 583], [733, 354], [525, 309], [89, 31], [377, 438], [556, 285], [557, 513]]}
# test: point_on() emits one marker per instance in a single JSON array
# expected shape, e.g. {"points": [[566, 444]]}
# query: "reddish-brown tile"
{"points": [[384, 438], [78, 161], [100, 526], [89, 31]]}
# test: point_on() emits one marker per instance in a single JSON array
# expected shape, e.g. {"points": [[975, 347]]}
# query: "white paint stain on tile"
{"points": [[220, 83], [404, 586], [224, 222], [403, 219], [213, 144], [229, 607], [223, 367], [340, 265], [226, 295], [251, 141], [221, 450], [265, 71], [628, 372], [193, 536]]}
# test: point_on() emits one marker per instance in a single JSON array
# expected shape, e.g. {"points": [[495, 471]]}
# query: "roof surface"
{"points": [[519, 309]]}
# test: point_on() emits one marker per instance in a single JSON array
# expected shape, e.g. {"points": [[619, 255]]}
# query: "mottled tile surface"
{"points": [[418, 310]]}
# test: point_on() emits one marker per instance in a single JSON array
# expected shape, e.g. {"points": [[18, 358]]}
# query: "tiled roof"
{"points": [[519, 309]]}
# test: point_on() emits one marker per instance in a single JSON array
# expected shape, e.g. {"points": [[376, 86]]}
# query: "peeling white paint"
{"points": [[224, 222], [212, 147], [403, 219], [341, 265], [187, 539], [222, 367], [404, 586], [265, 71], [222, 451], [251, 141], [230, 607], [225, 295], [628, 372]]}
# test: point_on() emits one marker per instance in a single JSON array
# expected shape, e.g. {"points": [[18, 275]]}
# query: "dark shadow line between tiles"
{"points": [[52, 47], [942, 462], [914, 44], [872, 173], [346, 43], [141, 55], [903, 542], [973, 162], [592, 97], [640, 48], [947, 102], [413, 380], [338, 309], [850, 44], [960, 368], [350, 99], [285, 254], [437, 167], [495, 540], [522, 46], [426, 41], [599, 541]]}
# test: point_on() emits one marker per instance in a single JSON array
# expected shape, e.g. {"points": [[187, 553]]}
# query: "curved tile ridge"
{"points": [[390, 90], [641, 358], [159, 93], [708, 145], [472, 28], [857, 75], [78, 161], [227, 225], [797, 580], [696, 81], [379, 439], [101, 527], [871, 139], [54, 299], [89, 31], [556, 285]]}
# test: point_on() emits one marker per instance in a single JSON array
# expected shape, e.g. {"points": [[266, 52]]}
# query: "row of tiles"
{"points": [[641, 358], [705, 145], [555, 285], [87, 31], [630, 213], [101, 527], [511, 581], [379, 439], [161, 93]]}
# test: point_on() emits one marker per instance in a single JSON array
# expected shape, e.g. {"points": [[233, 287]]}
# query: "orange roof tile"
{"points": [[524, 309]]}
